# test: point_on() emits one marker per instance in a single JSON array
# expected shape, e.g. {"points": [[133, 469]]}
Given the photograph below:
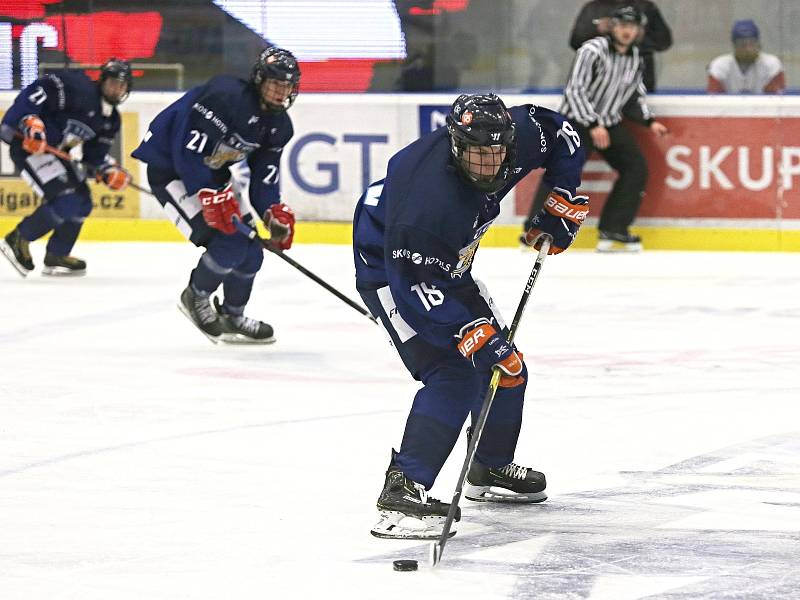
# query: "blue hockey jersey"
{"points": [[213, 126], [70, 105], [418, 229]]}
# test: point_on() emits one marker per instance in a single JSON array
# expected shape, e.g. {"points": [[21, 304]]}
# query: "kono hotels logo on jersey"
{"points": [[419, 259]]}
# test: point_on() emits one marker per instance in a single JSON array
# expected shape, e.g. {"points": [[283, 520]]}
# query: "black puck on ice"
{"points": [[405, 565]]}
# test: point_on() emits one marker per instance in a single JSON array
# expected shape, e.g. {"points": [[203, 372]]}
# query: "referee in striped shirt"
{"points": [[606, 83]]}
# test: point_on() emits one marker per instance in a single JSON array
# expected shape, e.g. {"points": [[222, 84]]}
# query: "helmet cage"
{"points": [[280, 65], [115, 68], [482, 121]]}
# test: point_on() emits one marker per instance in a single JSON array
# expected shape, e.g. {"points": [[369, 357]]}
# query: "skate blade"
{"points": [[611, 246], [243, 340], [188, 316], [9, 254], [62, 272], [486, 493], [396, 525]]}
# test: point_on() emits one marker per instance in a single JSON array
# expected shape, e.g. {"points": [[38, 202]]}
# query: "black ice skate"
{"points": [[238, 329], [406, 511], [618, 242], [63, 266], [198, 309], [15, 248], [511, 483]]}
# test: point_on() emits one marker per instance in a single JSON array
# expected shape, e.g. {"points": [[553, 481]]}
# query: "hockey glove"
{"points": [[280, 220], [559, 218], [219, 207], [480, 343], [34, 139], [114, 176]]}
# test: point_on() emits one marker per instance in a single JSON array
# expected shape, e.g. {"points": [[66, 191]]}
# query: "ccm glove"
{"points": [[480, 343], [219, 208], [559, 218], [280, 220], [115, 177], [34, 139]]}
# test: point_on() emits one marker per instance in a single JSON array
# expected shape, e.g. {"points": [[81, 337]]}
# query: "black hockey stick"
{"points": [[253, 235], [437, 548], [68, 157]]}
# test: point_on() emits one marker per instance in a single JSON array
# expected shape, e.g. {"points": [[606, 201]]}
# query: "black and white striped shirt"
{"points": [[601, 83]]}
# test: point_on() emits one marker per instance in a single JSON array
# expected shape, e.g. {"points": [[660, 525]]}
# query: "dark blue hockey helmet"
{"points": [[280, 65], [483, 140], [120, 70]]}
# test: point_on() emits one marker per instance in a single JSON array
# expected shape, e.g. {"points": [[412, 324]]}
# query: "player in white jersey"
{"points": [[747, 70]]}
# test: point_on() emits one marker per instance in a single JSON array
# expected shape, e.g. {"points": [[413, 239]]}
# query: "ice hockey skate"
{"points": [[511, 483], [63, 266], [618, 242], [15, 248], [407, 512], [238, 329], [198, 309]]}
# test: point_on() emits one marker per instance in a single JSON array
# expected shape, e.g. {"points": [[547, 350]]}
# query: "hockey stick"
{"points": [[437, 548], [68, 157], [253, 235]]}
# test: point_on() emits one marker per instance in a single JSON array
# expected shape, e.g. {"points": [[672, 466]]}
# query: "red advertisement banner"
{"points": [[707, 167]]}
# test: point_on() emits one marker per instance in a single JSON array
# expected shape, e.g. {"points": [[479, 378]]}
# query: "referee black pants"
{"points": [[624, 156]]}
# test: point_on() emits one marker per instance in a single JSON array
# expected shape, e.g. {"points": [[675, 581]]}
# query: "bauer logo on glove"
{"points": [[560, 218]]}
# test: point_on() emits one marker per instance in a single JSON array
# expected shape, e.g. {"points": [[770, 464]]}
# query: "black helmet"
{"points": [[116, 68], [629, 14], [281, 65], [482, 120]]}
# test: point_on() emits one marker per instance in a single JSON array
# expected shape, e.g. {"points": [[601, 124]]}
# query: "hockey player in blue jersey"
{"points": [[416, 233], [189, 149], [63, 109]]}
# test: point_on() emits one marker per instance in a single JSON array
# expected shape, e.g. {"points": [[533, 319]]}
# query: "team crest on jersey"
{"points": [[467, 253], [76, 132], [229, 150]]}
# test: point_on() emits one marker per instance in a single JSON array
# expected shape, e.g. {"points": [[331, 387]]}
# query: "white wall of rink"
{"points": [[343, 141]]}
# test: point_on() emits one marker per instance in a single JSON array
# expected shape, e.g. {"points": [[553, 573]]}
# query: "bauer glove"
{"points": [[485, 348], [559, 218], [114, 176], [34, 139]]}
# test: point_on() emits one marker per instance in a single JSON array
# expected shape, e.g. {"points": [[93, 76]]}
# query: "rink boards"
{"points": [[726, 178]]}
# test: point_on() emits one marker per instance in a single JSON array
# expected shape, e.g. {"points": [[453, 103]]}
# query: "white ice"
{"points": [[139, 461]]}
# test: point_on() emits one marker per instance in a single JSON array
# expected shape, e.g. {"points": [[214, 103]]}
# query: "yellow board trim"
{"points": [[308, 232]]}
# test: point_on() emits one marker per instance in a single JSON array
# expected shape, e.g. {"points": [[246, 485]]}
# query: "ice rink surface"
{"points": [[139, 461]]}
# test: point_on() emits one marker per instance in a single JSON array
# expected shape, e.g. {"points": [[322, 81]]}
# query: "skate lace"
{"points": [[204, 310], [24, 249], [246, 324], [515, 471], [423, 493]]}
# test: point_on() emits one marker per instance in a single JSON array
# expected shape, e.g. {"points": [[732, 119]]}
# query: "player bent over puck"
{"points": [[416, 233]]}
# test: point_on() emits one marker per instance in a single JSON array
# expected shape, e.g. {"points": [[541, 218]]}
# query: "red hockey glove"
{"points": [[34, 140], [480, 343], [559, 218], [115, 177], [280, 220], [219, 207]]}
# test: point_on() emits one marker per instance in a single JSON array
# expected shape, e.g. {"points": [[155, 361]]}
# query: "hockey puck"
{"points": [[405, 565]]}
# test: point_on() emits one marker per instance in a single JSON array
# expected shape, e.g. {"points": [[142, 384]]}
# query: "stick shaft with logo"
{"points": [[253, 234], [437, 547]]}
